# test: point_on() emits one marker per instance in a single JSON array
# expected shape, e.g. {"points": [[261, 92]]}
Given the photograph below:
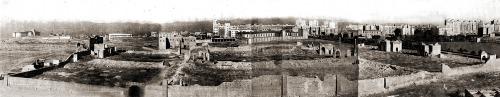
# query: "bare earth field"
{"points": [[105, 72], [370, 69], [416, 62], [17, 54]]}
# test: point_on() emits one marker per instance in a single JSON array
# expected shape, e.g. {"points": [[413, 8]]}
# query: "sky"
{"points": [[163, 11]]}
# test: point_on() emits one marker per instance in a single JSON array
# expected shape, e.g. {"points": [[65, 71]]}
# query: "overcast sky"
{"points": [[160, 11]]}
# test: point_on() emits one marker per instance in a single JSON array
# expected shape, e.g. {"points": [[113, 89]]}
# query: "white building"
{"points": [[301, 23], [215, 27], [227, 28], [313, 23]]}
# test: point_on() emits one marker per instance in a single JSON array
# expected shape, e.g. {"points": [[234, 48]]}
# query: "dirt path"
{"points": [[178, 71]]}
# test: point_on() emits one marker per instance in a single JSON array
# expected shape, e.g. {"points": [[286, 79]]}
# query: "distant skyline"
{"points": [[164, 11]]}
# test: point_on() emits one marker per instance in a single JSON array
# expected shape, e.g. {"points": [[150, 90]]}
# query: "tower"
{"points": [[215, 27]]}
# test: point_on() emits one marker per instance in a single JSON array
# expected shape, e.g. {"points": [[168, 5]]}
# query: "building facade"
{"points": [[391, 46], [30, 33], [454, 27]]}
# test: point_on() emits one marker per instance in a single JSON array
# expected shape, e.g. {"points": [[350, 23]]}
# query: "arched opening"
{"points": [[337, 54], [167, 42], [484, 58], [135, 91], [322, 51]]}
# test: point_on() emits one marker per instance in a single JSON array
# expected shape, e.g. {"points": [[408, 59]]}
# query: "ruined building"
{"points": [[489, 29], [98, 48], [334, 50], [429, 49], [173, 40], [329, 49], [391, 46]]}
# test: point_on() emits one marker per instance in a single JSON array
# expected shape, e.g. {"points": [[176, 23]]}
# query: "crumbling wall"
{"points": [[491, 66]]}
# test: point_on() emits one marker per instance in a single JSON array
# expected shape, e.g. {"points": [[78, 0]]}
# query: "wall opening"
{"points": [[323, 50], [135, 91], [337, 54]]}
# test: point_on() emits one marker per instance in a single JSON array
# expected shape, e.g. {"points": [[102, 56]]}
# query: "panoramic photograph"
{"points": [[249, 48]]}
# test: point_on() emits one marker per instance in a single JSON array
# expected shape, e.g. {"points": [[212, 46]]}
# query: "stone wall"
{"points": [[267, 86], [233, 65], [27, 87], [380, 85], [386, 84], [226, 89], [232, 49], [491, 65], [317, 63]]}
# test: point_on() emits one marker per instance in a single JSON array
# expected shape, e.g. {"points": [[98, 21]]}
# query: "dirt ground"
{"points": [[414, 61], [370, 69], [450, 86], [16, 54], [105, 72]]}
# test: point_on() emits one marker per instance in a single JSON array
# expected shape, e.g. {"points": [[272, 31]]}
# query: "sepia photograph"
{"points": [[249, 48]]}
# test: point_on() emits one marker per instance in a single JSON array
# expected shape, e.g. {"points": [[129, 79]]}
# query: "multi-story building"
{"points": [[300, 23], [408, 29], [313, 23], [496, 24], [328, 28], [370, 30], [488, 30], [460, 27], [215, 27]]}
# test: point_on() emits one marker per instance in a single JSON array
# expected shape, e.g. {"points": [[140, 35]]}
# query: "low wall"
{"points": [[240, 88], [330, 86], [267, 39], [230, 49], [262, 86], [492, 65], [233, 65], [380, 85], [27, 87], [316, 63], [268, 86], [387, 84]]}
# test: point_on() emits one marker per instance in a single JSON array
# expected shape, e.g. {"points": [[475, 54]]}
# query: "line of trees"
{"points": [[79, 28]]}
